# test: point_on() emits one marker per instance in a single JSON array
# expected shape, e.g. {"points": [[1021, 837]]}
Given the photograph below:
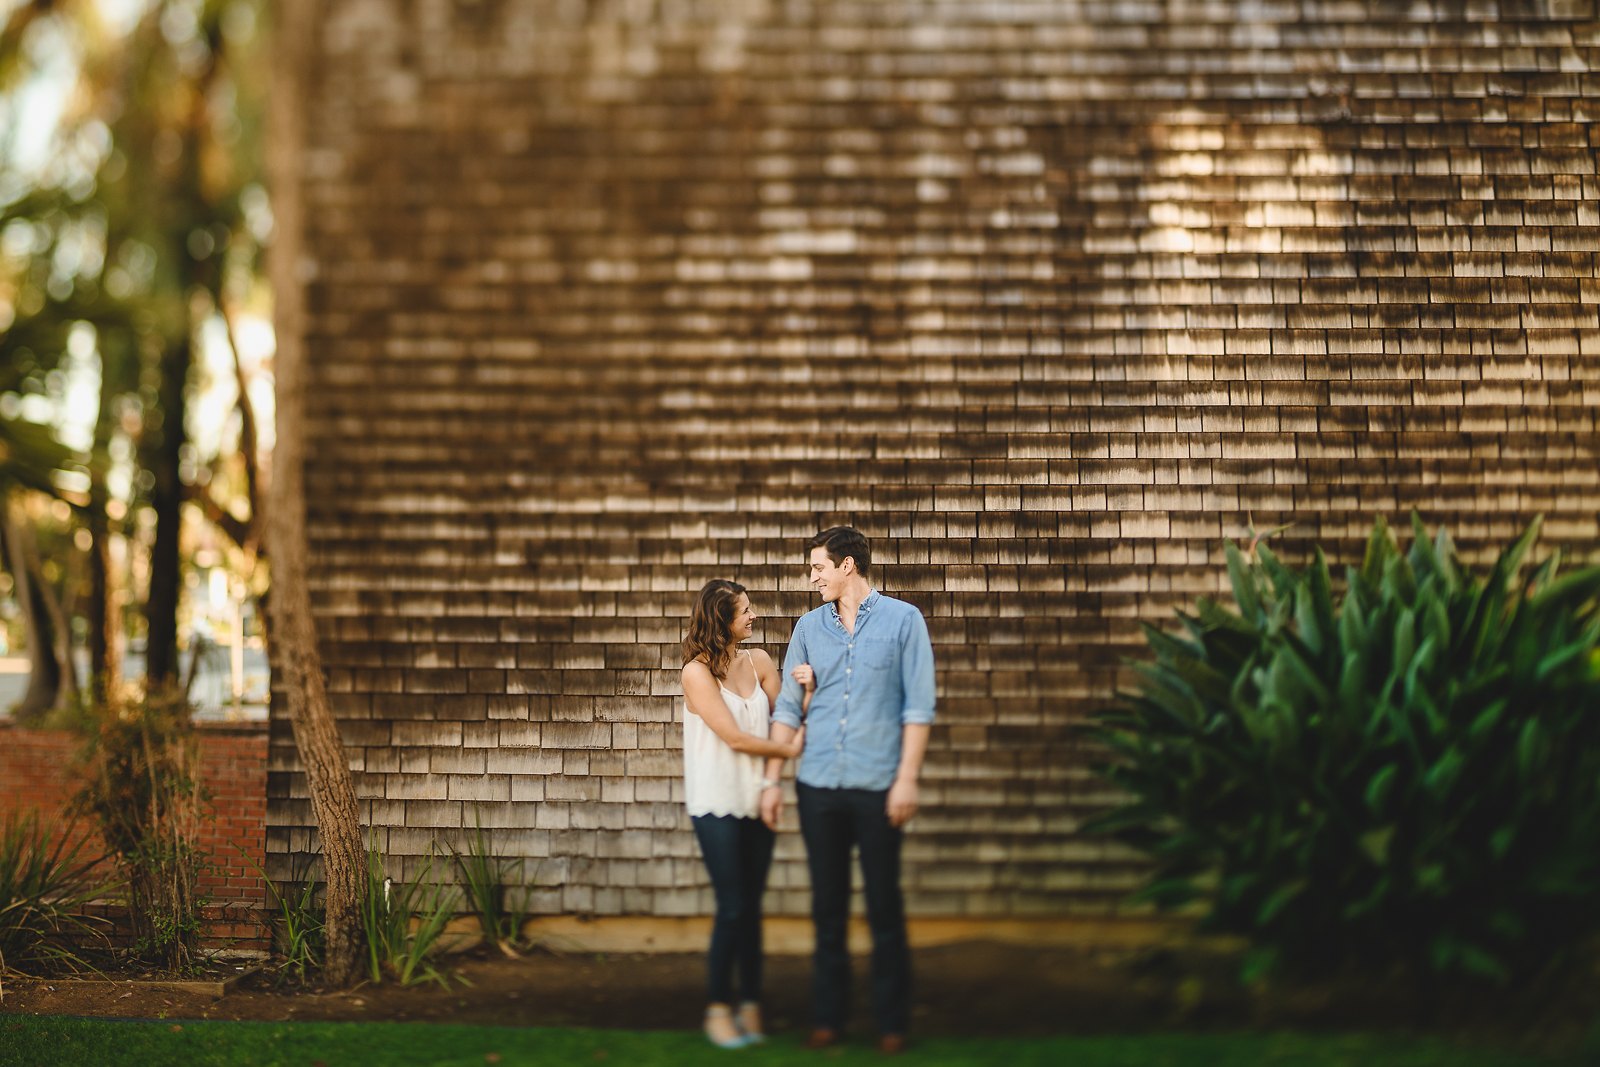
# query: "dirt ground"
{"points": [[973, 989], [970, 989]]}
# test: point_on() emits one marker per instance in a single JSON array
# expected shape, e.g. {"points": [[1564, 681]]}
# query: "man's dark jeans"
{"points": [[738, 853], [832, 821]]}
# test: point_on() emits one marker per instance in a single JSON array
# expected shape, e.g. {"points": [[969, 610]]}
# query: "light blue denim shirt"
{"points": [[869, 685]]}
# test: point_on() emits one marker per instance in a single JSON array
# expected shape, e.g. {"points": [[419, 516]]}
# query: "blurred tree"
{"points": [[30, 458], [39, 242], [171, 192], [154, 164], [171, 110]]}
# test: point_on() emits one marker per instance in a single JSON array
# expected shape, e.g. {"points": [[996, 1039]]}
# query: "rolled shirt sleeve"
{"points": [[916, 672], [791, 694]]}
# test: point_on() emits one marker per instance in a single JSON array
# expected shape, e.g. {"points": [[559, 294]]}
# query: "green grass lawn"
{"points": [[41, 1041]]}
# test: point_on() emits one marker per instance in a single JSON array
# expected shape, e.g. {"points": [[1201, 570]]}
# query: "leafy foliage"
{"points": [[488, 882], [403, 923], [1405, 775], [143, 791], [130, 230], [298, 926], [45, 881]]}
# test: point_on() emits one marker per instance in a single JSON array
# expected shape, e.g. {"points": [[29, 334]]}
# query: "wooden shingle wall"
{"points": [[1047, 296]]}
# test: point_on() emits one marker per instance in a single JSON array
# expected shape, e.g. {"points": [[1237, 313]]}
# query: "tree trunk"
{"points": [[44, 670], [249, 438], [164, 460], [293, 634], [105, 665], [104, 661], [68, 694]]}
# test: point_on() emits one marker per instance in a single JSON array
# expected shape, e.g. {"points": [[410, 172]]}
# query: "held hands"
{"points": [[797, 744]]}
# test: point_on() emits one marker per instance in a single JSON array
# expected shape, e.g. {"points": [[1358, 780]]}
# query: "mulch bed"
{"points": [[976, 989], [972, 989]]}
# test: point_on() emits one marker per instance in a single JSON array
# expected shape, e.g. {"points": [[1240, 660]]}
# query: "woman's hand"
{"points": [[805, 676], [798, 744], [808, 686]]}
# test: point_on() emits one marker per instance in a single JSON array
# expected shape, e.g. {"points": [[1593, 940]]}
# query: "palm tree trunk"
{"points": [[69, 692], [164, 461], [105, 662]]}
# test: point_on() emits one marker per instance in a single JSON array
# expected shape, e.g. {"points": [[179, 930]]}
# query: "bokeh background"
{"points": [[599, 300]]}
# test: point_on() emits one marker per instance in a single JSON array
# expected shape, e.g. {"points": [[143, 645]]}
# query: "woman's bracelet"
{"points": [[768, 783]]}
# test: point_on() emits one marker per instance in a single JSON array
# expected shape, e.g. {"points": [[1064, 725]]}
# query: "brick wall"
{"points": [[36, 774], [602, 300]]}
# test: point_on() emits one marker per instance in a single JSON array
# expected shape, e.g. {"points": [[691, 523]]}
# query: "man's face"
{"points": [[827, 577]]}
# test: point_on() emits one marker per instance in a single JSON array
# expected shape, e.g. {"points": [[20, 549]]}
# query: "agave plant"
{"points": [[46, 880], [1404, 773]]}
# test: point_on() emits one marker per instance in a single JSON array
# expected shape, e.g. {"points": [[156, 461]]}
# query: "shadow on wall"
{"points": [[1048, 299]]}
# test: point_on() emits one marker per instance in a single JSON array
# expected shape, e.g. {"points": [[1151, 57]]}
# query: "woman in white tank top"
{"points": [[728, 695]]}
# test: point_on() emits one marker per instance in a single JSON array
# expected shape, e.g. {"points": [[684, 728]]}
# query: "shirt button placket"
{"points": [[844, 719]]}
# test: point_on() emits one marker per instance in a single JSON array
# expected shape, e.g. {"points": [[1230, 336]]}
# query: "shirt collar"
{"points": [[861, 612]]}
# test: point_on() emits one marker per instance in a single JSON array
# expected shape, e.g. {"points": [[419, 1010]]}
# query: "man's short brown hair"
{"points": [[842, 541]]}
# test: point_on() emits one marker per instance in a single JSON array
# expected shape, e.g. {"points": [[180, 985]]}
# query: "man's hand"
{"points": [[902, 801], [771, 806]]}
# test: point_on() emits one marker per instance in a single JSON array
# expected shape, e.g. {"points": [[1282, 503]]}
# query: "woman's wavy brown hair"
{"points": [[710, 626]]}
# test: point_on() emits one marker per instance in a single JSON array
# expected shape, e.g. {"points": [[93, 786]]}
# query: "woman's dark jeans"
{"points": [[738, 853], [836, 822]]}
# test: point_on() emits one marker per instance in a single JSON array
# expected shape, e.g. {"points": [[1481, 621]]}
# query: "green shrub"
{"points": [[489, 884], [298, 928], [144, 794], [403, 923], [45, 882], [1406, 776]]}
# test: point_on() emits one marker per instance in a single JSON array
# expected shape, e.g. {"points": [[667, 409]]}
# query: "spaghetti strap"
{"points": [[724, 687]]}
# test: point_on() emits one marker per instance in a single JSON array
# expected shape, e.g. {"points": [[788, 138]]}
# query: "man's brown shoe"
{"points": [[892, 1044], [822, 1037]]}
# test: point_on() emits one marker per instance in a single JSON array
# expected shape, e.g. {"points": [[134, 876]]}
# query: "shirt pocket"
{"points": [[879, 655]]}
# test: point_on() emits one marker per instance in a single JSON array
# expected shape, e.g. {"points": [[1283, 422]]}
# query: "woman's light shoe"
{"points": [[750, 1022], [725, 1036]]}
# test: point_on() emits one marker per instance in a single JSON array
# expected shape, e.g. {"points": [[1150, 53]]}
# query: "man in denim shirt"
{"points": [[871, 662]]}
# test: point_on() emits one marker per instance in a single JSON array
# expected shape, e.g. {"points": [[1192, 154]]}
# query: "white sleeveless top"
{"points": [[716, 779]]}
